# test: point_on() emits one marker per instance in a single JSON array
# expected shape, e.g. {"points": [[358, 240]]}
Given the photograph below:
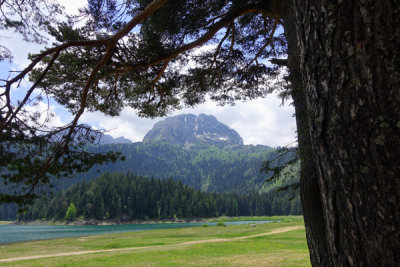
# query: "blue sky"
{"points": [[262, 121]]}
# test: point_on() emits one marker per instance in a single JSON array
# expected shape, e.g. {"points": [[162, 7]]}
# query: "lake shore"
{"points": [[79, 222]]}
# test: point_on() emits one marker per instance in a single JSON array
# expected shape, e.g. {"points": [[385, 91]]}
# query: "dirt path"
{"points": [[276, 231]]}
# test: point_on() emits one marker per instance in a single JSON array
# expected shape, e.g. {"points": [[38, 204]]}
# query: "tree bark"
{"points": [[349, 58], [309, 188]]}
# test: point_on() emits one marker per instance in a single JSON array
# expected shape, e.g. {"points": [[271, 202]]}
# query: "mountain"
{"points": [[108, 139], [189, 130], [103, 139], [199, 151]]}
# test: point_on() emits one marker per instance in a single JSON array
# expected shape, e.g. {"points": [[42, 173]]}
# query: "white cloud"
{"points": [[48, 118], [19, 48], [72, 6], [128, 124]]}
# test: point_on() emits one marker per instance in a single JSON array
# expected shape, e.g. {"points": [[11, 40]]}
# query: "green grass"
{"points": [[282, 249], [258, 218]]}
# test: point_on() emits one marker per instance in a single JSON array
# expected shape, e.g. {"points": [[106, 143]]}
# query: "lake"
{"points": [[17, 233]]}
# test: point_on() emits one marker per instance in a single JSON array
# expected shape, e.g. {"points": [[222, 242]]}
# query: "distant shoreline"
{"points": [[107, 222], [81, 222]]}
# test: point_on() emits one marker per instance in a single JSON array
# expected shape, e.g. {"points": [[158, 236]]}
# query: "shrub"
{"points": [[221, 224]]}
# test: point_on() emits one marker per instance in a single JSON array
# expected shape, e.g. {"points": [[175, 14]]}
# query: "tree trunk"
{"points": [[309, 188], [350, 65]]}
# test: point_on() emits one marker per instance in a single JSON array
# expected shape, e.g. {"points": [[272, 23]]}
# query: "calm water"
{"points": [[16, 233]]}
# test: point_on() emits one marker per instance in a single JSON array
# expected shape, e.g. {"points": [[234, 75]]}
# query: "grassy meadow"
{"points": [[235, 245]]}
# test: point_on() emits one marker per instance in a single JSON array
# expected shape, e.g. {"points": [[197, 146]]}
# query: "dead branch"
{"points": [[268, 42], [219, 46], [10, 114], [160, 72], [232, 39]]}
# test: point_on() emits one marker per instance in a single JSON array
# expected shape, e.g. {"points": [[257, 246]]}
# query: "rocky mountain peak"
{"points": [[189, 129], [108, 139]]}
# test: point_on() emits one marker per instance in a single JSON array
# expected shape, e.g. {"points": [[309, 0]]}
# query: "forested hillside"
{"points": [[209, 168], [125, 196]]}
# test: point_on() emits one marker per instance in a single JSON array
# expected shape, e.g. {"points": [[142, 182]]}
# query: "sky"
{"points": [[262, 121]]}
